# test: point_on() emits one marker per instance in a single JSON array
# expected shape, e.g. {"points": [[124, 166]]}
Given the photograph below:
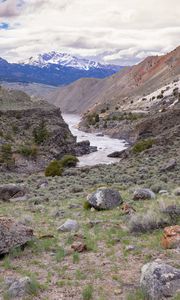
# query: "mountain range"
{"points": [[54, 69], [120, 90]]}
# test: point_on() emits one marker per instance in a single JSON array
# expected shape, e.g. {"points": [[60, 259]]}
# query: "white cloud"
{"points": [[116, 31]]}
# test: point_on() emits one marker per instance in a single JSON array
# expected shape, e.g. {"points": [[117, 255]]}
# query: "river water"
{"points": [[105, 144]]}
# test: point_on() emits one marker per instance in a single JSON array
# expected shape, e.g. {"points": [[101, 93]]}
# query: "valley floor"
{"points": [[109, 269]]}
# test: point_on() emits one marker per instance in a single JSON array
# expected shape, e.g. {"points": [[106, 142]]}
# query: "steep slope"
{"points": [[32, 133], [121, 88]]}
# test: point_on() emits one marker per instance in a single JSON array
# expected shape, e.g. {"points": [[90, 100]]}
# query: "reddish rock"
{"points": [[127, 209], [171, 237], [79, 247]]}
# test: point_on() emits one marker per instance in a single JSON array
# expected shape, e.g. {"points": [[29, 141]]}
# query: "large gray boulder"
{"points": [[8, 191], [143, 194], [105, 199], [159, 280], [13, 234]]}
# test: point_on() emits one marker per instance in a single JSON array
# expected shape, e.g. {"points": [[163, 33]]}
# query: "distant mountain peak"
{"points": [[65, 60]]}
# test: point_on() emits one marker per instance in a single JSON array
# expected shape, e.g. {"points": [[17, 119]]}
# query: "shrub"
{"points": [[148, 221], [86, 205], [143, 145], [69, 161], [6, 155], [54, 169], [40, 133], [28, 151]]}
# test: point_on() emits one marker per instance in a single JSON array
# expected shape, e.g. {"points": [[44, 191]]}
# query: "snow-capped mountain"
{"points": [[54, 69], [65, 60]]}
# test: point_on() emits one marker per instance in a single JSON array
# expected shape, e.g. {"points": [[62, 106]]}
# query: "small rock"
{"points": [[105, 199], [79, 247], [74, 206], [118, 292], [163, 192], [92, 209], [18, 287], [143, 194], [119, 154], [177, 192], [42, 184], [171, 237], [58, 213], [127, 209], [130, 248], [159, 280], [26, 220], [69, 225], [95, 222], [171, 164]]}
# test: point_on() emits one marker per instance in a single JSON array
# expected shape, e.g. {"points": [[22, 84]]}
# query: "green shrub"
{"points": [[54, 169], [69, 161], [86, 205], [40, 133], [143, 145], [28, 151], [6, 155]]}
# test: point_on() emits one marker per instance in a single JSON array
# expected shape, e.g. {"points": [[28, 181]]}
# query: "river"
{"points": [[104, 144]]}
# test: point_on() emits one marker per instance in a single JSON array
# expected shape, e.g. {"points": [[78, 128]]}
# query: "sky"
{"points": [[110, 31]]}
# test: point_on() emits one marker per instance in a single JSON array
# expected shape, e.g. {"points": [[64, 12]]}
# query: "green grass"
{"points": [[87, 293]]}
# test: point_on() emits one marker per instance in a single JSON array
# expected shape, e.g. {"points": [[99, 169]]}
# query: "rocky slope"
{"points": [[32, 132], [121, 89]]}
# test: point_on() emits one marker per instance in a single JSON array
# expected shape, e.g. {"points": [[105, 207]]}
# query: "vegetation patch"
{"points": [[69, 161], [143, 145], [54, 169]]}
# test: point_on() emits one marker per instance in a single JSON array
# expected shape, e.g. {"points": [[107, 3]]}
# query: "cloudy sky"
{"points": [[112, 31]]}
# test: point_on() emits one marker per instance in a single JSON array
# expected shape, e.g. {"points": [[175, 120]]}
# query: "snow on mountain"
{"points": [[65, 59]]}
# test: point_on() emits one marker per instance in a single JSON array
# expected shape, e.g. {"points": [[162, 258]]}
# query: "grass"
{"points": [[87, 293]]}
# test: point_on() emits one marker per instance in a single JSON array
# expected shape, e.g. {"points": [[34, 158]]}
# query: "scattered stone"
{"points": [[56, 213], [69, 225], [163, 192], [26, 220], [42, 184], [18, 287], [76, 189], [177, 192], [119, 154], [118, 292], [9, 191], [105, 199], [127, 209], [130, 248], [84, 147], [95, 222], [171, 237], [159, 280], [74, 206], [79, 247], [169, 166], [13, 234], [143, 194]]}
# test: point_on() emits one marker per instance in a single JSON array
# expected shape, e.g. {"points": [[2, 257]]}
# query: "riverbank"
{"points": [[105, 144]]}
